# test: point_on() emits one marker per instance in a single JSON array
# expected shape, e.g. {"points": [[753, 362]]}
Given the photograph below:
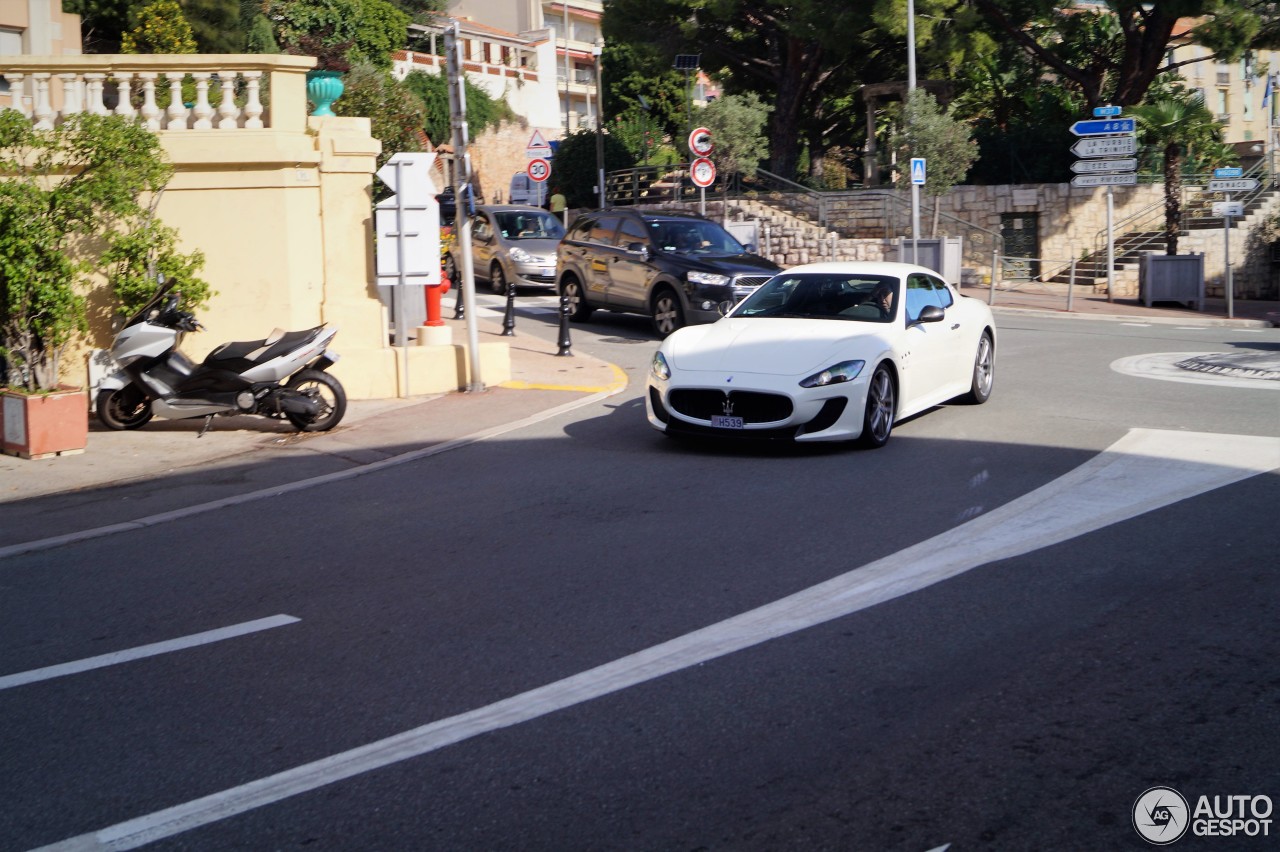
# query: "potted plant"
{"points": [[63, 196], [324, 82]]}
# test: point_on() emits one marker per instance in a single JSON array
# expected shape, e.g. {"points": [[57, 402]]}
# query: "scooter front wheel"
{"points": [[327, 392], [123, 408]]}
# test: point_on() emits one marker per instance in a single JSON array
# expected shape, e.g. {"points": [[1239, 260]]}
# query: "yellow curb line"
{"points": [[620, 382]]}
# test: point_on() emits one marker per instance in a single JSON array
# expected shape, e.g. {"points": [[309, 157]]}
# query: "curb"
{"points": [[1204, 322]]}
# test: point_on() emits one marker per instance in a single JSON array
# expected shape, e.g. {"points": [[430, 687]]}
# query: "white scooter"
{"points": [[281, 376]]}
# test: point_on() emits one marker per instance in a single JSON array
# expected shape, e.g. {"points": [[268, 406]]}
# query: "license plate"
{"points": [[723, 422], [547, 272]]}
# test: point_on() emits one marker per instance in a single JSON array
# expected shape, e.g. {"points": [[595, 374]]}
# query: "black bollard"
{"points": [[459, 309], [564, 325], [509, 318]]}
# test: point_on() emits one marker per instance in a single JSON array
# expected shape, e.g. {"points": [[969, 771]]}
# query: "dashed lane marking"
{"points": [[144, 651]]}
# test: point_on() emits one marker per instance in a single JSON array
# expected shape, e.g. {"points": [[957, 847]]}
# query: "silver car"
{"points": [[514, 243]]}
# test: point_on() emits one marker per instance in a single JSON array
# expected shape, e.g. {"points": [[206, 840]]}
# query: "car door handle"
{"points": [[954, 327]]}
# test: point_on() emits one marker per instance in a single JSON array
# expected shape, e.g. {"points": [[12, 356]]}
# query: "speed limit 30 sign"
{"points": [[539, 169]]}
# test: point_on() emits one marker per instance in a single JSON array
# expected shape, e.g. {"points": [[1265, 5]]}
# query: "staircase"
{"points": [[1143, 232]]}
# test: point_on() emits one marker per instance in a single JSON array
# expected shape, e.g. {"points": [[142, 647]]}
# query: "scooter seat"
{"points": [[241, 355]]}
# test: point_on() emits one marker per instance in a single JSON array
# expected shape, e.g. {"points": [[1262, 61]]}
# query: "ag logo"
{"points": [[1161, 815]]}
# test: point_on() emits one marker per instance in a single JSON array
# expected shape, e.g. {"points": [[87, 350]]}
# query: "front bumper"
{"points": [[832, 413]]}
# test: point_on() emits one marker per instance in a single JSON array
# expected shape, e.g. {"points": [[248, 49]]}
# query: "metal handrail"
{"points": [[1150, 219]]}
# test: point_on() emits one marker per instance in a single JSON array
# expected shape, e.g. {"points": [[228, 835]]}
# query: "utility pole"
{"points": [[462, 195]]}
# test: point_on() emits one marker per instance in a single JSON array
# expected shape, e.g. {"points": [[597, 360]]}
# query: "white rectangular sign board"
{"points": [[1237, 185], [1228, 208], [1126, 179], [1126, 164], [1109, 146]]}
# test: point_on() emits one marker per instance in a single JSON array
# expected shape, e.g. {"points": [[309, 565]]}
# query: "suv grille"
{"points": [[751, 406], [750, 280]]}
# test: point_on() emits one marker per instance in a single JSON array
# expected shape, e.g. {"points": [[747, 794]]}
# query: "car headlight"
{"points": [[519, 255], [845, 371], [707, 278], [658, 366]]}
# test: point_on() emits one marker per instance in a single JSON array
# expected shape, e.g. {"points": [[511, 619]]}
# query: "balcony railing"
{"points": [[227, 89]]}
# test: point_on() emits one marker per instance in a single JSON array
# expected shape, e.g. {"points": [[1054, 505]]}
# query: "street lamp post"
{"points": [[597, 52], [911, 87]]}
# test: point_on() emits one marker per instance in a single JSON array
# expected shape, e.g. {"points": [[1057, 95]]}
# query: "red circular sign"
{"points": [[700, 142], [539, 169], [702, 172]]}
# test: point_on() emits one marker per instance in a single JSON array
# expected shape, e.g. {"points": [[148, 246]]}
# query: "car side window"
{"points": [[631, 231], [480, 228], [581, 229], [943, 292], [602, 230], [919, 294]]}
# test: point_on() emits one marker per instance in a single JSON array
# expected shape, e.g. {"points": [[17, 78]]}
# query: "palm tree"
{"points": [[1177, 125]]}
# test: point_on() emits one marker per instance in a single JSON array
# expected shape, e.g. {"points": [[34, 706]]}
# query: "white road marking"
{"points": [[1143, 471], [1137, 324], [143, 651], [1163, 366]]}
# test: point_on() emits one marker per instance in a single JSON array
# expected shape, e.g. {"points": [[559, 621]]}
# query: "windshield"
{"points": [[528, 225], [157, 301], [693, 236], [857, 298]]}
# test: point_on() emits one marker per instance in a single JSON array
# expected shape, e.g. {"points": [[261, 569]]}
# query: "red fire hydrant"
{"points": [[434, 294]]}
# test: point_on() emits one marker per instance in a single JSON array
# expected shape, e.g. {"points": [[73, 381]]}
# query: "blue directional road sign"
{"points": [[1234, 172], [917, 170], [1104, 111], [1104, 126]]}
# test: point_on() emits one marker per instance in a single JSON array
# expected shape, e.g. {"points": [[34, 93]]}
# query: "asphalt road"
{"points": [[467, 613]]}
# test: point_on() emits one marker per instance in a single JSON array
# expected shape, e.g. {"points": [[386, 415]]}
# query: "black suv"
{"points": [[673, 267]]}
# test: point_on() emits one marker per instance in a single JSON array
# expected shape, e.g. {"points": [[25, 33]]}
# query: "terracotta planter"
{"points": [[41, 426]]}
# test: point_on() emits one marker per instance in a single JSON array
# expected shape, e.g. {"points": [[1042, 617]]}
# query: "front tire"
{"points": [[123, 408], [498, 280], [877, 418], [984, 371], [571, 292], [324, 389], [666, 312]]}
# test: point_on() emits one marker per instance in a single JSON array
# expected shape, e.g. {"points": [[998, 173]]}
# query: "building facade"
{"points": [[35, 28]]}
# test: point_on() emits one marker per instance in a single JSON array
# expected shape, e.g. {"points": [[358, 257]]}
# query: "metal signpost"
{"points": [[408, 228], [1107, 136], [918, 172], [462, 196], [538, 149], [1228, 180], [702, 171]]}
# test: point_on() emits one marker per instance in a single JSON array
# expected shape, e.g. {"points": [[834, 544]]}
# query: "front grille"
{"points": [[751, 406], [541, 279], [751, 281]]}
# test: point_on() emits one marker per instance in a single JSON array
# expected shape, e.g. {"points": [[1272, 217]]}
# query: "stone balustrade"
{"points": [[228, 89]]}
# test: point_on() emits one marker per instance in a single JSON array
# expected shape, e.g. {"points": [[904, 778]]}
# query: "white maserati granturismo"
{"points": [[825, 352]]}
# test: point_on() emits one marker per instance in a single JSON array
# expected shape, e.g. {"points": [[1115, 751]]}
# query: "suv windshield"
{"points": [[531, 225], [693, 236], [859, 298]]}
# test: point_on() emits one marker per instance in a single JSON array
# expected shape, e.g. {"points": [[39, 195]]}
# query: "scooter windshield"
{"points": [[157, 301]]}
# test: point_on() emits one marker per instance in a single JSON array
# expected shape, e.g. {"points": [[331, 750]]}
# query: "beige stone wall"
{"points": [[283, 216], [496, 155]]}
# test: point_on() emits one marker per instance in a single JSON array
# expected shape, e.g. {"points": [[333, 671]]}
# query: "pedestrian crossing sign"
{"points": [[917, 170]]}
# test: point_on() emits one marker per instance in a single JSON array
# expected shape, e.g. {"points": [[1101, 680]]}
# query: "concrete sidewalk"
{"points": [[167, 464]]}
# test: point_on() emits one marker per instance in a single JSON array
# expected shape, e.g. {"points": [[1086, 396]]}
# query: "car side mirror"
{"points": [[750, 247], [931, 313], [639, 249]]}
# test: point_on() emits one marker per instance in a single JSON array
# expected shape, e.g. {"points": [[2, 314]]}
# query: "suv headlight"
{"points": [[519, 255], [845, 371], [707, 278]]}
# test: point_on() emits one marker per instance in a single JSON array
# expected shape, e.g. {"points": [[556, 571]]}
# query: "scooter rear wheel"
{"points": [[123, 408], [327, 391]]}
